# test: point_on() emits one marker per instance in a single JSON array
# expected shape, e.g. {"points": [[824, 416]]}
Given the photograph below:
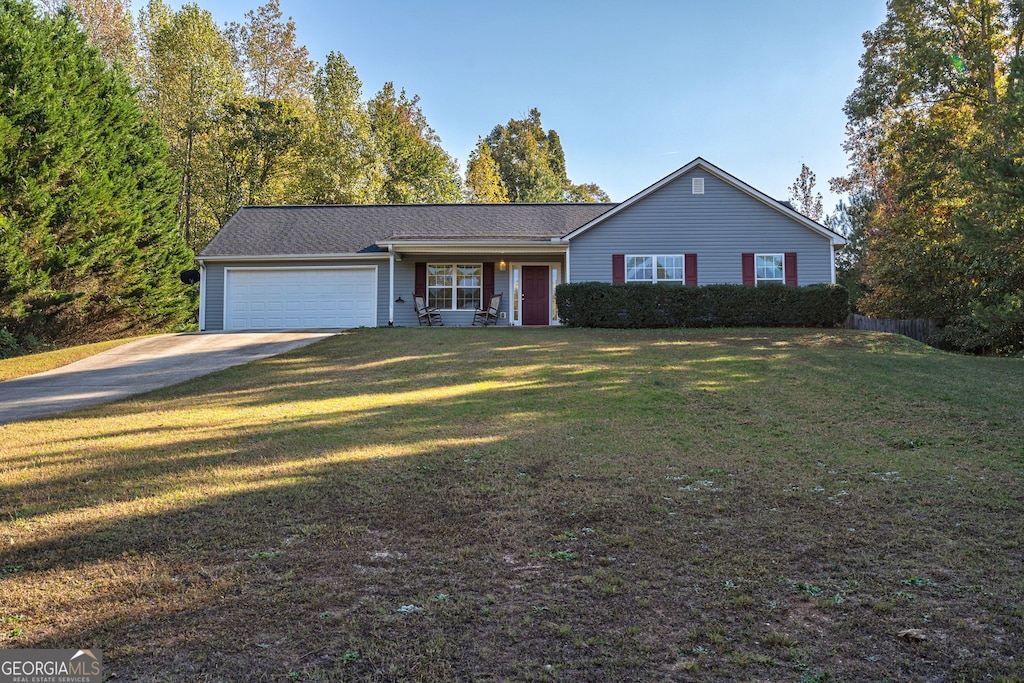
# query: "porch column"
{"points": [[391, 286]]}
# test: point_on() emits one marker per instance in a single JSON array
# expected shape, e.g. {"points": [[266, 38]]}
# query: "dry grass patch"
{"points": [[22, 366], [555, 504]]}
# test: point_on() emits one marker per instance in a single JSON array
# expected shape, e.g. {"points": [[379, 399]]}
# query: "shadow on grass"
{"points": [[616, 506]]}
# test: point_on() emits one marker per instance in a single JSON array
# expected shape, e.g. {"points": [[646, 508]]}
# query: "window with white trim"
{"points": [[455, 286], [769, 268], [655, 268]]}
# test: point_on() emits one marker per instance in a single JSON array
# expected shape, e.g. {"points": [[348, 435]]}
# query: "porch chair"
{"points": [[427, 316], [489, 315]]}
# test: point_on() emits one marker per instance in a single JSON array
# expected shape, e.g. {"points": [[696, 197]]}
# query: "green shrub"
{"points": [[634, 305], [8, 344]]}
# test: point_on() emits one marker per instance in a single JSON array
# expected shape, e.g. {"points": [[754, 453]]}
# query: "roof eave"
{"points": [[552, 245]]}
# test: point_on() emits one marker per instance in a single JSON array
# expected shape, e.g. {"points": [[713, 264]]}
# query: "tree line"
{"points": [[935, 137], [127, 142], [251, 119]]}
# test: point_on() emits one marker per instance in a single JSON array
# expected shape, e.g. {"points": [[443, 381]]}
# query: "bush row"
{"points": [[597, 304]]}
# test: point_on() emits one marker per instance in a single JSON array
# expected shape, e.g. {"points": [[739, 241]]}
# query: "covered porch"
{"points": [[459, 278]]}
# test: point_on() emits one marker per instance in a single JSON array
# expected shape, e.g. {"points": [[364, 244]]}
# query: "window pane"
{"points": [[670, 268], [439, 297], [769, 267], [639, 268], [469, 298], [468, 276], [515, 294], [439, 276]]}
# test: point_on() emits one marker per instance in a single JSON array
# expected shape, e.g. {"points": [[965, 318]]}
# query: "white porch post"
{"points": [[391, 286]]}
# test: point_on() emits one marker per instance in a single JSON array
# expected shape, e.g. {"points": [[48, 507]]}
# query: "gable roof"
{"points": [[359, 229], [782, 207]]}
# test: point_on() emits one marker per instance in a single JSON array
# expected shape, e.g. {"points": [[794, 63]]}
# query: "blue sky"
{"points": [[635, 90]]}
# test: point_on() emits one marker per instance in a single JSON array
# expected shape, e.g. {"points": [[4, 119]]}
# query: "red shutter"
{"points": [[790, 265], [690, 269], [420, 284], [618, 268], [488, 284], [748, 269]]}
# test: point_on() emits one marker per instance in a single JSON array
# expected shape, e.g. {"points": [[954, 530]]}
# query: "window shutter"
{"points": [[748, 269], [420, 285], [618, 268], [488, 284], [790, 265], [690, 268]]}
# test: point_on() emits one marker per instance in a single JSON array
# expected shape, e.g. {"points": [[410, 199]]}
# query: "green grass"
{"points": [[21, 366], [463, 504]]}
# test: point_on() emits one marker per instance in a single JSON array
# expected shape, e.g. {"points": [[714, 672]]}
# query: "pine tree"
{"points": [[89, 246]]}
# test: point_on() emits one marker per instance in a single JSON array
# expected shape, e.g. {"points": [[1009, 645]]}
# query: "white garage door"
{"points": [[300, 298]]}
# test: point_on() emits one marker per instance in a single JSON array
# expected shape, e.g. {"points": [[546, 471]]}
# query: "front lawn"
{"points": [[570, 505]]}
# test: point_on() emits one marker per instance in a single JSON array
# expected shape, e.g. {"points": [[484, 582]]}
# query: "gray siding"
{"points": [[214, 278], [719, 226]]}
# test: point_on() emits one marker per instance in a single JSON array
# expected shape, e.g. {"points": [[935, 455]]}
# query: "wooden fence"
{"points": [[920, 329]]}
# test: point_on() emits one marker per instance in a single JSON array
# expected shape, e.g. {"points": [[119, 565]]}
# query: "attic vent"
{"points": [[698, 186]]}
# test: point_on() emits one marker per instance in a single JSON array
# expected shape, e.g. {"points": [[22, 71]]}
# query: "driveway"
{"points": [[141, 366]]}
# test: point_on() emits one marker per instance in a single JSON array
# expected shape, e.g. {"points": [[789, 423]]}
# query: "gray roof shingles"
{"points": [[356, 229]]}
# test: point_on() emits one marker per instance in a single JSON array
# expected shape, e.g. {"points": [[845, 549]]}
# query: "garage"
{"points": [[300, 298]]}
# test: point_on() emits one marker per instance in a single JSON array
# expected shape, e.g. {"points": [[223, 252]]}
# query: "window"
{"points": [[768, 268], [454, 287], [654, 268]]}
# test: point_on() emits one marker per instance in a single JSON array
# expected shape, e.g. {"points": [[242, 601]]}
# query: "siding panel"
{"points": [[718, 226]]}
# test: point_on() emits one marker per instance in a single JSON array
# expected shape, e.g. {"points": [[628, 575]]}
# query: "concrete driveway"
{"points": [[141, 366]]}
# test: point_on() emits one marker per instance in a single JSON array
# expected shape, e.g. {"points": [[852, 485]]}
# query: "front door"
{"points": [[536, 295]]}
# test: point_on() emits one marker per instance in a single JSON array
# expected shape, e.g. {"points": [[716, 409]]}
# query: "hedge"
{"points": [[633, 305]]}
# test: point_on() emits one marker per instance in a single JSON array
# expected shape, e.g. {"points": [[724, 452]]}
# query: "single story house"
{"points": [[282, 267]]}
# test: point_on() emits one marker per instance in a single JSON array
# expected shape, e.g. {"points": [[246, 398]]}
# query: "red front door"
{"points": [[536, 295]]}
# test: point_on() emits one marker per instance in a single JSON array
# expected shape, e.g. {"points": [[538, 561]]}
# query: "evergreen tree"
{"points": [[89, 245]]}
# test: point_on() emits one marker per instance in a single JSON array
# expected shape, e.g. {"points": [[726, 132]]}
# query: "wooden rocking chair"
{"points": [[488, 316], [427, 316]]}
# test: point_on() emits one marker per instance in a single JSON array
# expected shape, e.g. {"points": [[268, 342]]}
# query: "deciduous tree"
{"points": [[276, 67], [804, 198], [934, 136], [109, 25], [407, 164], [190, 75], [336, 146], [483, 180], [531, 163]]}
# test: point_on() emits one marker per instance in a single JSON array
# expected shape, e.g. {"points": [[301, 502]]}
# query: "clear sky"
{"points": [[634, 89]]}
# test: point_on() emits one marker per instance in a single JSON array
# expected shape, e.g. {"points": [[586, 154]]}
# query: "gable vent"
{"points": [[698, 186]]}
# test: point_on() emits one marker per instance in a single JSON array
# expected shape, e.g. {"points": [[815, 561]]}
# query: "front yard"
{"points": [[572, 505]]}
